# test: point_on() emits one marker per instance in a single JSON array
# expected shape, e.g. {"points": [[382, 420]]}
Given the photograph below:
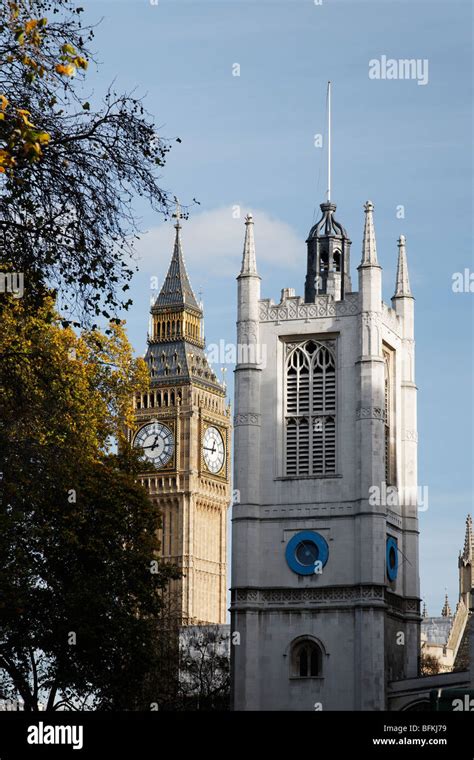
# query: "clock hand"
{"points": [[151, 445], [208, 449]]}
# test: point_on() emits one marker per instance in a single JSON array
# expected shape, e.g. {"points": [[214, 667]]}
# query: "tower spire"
{"points": [[249, 262], [402, 287], [446, 611], [176, 336], [176, 289], [369, 246]]}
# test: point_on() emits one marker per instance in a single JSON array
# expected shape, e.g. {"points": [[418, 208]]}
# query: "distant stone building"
{"points": [[450, 639], [446, 637], [434, 638]]}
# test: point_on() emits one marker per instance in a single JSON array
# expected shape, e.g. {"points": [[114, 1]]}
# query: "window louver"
{"points": [[311, 410]]}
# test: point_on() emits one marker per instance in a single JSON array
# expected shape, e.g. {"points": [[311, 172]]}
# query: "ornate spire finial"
{"points": [[402, 286], [249, 262], [424, 613], [177, 214], [446, 611], [369, 247], [468, 552]]}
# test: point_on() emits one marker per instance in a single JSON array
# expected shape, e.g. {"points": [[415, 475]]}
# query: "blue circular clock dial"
{"points": [[305, 551], [391, 558]]}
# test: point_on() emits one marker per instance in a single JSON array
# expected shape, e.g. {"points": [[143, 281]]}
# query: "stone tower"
{"points": [[183, 431], [325, 588]]}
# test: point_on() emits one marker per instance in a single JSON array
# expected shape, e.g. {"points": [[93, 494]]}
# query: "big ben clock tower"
{"points": [[183, 431]]}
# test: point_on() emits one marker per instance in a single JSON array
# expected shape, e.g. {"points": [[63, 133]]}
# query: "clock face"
{"points": [[156, 441], [307, 552], [213, 450]]}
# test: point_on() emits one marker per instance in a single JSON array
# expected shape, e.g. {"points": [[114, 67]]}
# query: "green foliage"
{"points": [[79, 607]]}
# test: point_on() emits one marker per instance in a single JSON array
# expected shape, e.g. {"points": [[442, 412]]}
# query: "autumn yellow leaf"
{"points": [[31, 24], [23, 114], [36, 38], [6, 159], [65, 69], [80, 62], [14, 11]]}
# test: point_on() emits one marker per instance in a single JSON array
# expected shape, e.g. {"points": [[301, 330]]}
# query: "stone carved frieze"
{"points": [[246, 419], [296, 308], [370, 413], [331, 594]]}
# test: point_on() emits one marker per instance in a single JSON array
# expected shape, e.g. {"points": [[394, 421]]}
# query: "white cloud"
{"points": [[215, 239]]}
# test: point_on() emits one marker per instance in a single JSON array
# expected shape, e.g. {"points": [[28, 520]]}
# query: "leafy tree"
{"points": [[69, 169], [429, 665], [80, 583], [193, 665], [204, 665]]}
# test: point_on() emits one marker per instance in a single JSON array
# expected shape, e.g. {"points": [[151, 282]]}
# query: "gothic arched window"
{"points": [[306, 659], [310, 414]]}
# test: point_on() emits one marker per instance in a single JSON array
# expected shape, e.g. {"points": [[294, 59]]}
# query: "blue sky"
{"points": [[249, 141]]}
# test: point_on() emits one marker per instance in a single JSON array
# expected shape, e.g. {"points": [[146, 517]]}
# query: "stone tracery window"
{"points": [[306, 659], [310, 414]]}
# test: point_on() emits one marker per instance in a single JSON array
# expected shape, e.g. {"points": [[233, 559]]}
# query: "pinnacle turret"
{"points": [[446, 611], [249, 262], [402, 286], [369, 246], [468, 551]]}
